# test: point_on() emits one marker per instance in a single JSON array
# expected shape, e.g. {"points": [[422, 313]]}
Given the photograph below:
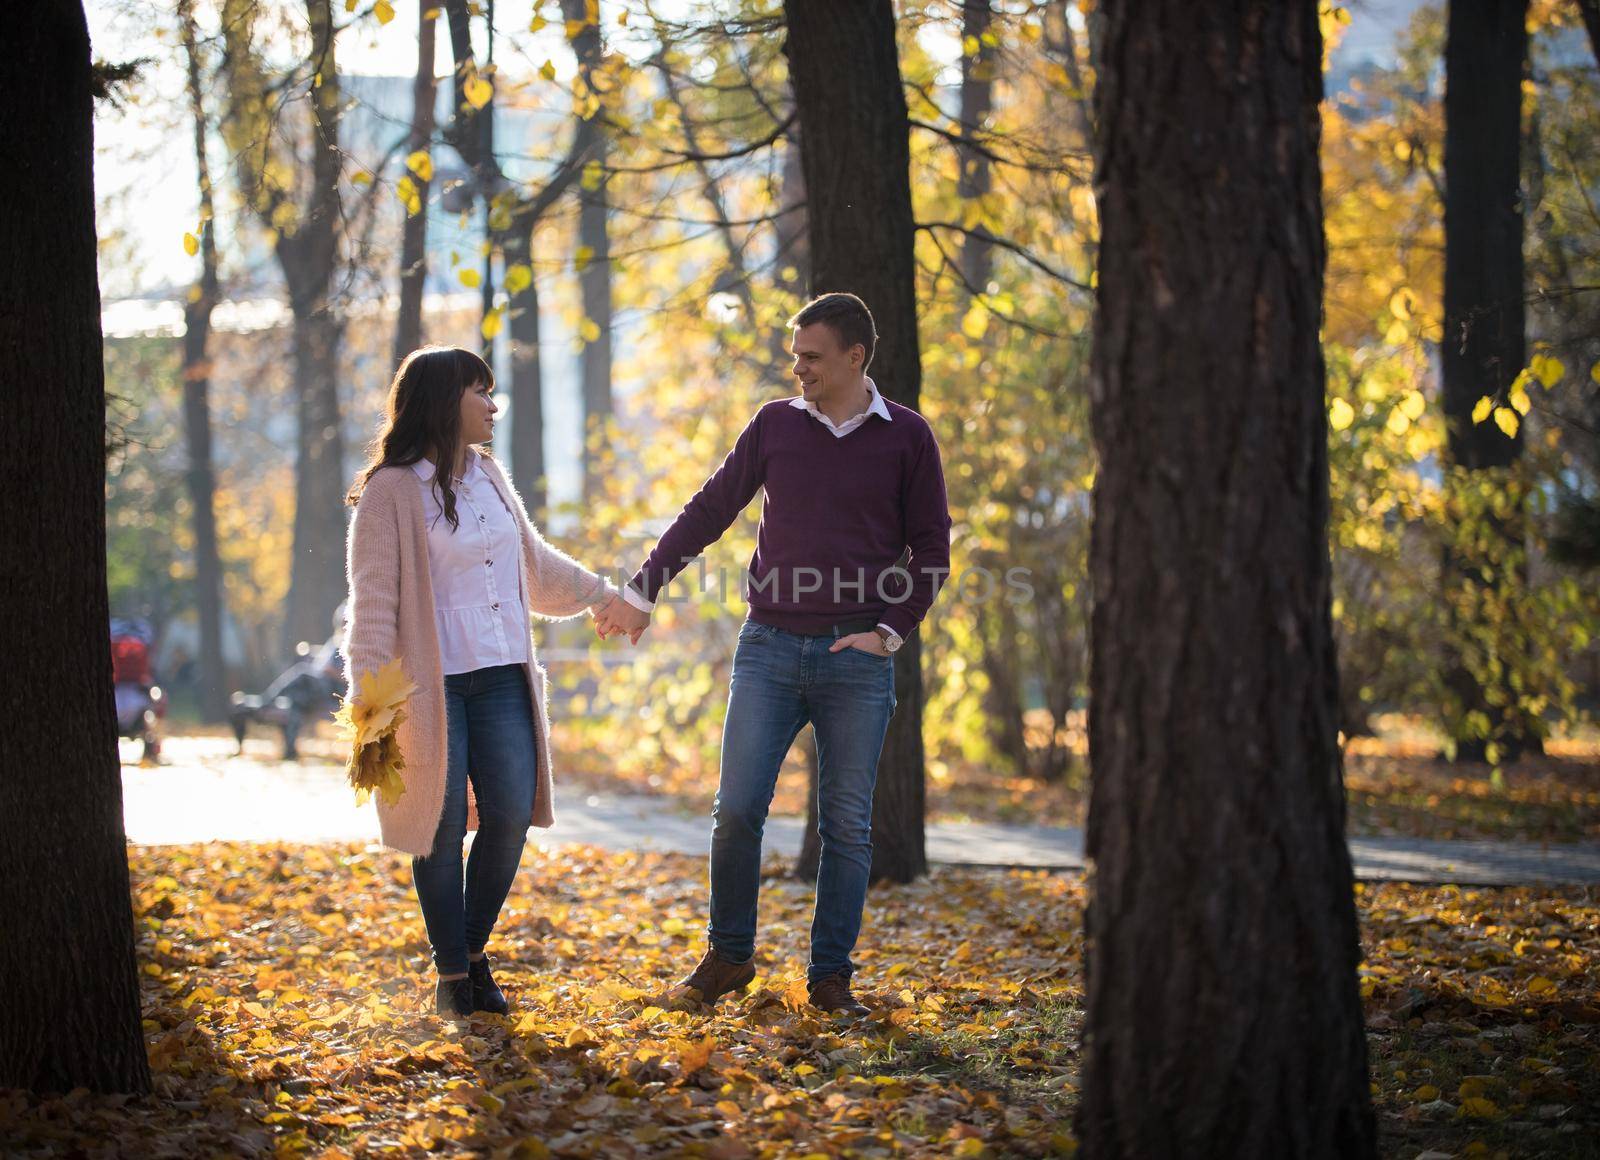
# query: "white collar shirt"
{"points": [[478, 605], [875, 406]]}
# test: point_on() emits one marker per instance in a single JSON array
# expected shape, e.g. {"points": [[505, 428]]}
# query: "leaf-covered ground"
{"points": [[287, 1011], [1395, 786]]}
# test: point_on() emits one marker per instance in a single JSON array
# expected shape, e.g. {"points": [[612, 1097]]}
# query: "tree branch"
{"points": [[1006, 244], [682, 157]]}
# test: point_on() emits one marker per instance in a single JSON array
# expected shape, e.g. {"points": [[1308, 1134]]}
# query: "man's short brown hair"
{"points": [[846, 315]]}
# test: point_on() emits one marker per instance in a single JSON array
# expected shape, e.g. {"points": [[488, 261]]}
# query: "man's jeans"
{"points": [[489, 723], [782, 680]]}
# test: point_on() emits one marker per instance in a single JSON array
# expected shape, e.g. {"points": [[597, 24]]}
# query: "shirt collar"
{"points": [[425, 471], [876, 406]]}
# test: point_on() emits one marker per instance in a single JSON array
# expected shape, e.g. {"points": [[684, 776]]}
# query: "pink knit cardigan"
{"points": [[391, 615]]}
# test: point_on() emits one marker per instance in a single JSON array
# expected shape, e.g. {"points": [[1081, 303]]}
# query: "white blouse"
{"points": [[478, 605]]}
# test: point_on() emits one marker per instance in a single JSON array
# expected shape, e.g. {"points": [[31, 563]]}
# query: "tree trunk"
{"points": [[1486, 50], [977, 97], [414, 232], [527, 399], [307, 247], [310, 257], [213, 682], [316, 579], [595, 283], [1004, 703], [855, 152], [594, 210], [794, 243], [1223, 1018], [67, 961]]}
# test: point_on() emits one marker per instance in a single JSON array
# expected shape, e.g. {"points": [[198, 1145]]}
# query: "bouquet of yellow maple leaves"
{"points": [[368, 721]]}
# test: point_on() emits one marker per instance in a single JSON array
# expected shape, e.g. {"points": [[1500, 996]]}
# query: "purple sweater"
{"points": [[839, 515]]}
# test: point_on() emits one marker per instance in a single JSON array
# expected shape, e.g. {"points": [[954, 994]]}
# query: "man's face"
{"points": [[823, 365]]}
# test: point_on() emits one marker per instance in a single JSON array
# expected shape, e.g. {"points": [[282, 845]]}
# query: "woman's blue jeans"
{"points": [[781, 680], [489, 719]]}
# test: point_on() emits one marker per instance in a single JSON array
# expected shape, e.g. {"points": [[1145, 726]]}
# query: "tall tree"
{"points": [[469, 132], [414, 231], [855, 153], [594, 235], [300, 207], [67, 967], [1486, 51], [1223, 1017], [196, 395]]}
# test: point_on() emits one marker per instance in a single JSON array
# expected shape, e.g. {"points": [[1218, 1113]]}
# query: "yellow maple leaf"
{"points": [[1340, 414], [477, 91], [696, 1055], [1547, 370]]}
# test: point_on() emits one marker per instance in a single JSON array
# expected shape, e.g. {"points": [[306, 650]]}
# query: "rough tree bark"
{"points": [[414, 232], [1486, 51], [64, 889], [1223, 1017], [197, 404], [855, 153]]}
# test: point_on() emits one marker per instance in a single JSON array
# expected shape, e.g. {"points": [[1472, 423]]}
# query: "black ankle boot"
{"points": [[486, 994], [452, 998]]}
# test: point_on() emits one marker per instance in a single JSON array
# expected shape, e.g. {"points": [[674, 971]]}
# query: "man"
{"points": [[854, 487]]}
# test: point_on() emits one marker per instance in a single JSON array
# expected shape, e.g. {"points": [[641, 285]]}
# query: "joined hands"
{"points": [[618, 616]]}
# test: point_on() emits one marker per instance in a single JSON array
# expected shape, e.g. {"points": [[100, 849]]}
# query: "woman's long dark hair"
{"points": [[422, 418]]}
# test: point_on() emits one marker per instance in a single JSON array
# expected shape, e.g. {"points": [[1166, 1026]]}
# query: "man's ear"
{"points": [[858, 356]]}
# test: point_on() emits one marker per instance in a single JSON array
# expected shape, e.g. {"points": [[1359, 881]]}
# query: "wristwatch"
{"points": [[891, 641]]}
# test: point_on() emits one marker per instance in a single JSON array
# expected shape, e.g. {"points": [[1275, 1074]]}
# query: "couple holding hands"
{"points": [[446, 569]]}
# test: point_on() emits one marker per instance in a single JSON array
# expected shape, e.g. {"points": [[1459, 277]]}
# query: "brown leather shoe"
{"points": [[715, 977], [832, 994]]}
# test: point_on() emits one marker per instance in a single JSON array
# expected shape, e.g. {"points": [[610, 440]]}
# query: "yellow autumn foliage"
{"points": [[368, 724]]}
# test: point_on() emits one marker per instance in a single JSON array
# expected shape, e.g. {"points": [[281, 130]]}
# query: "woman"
{"points": [[444, 570]]}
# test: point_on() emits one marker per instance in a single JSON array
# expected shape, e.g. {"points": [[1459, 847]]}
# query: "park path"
{"points": [[202, 793]]}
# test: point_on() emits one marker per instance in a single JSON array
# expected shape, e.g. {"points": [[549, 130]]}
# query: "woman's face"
{"points": [[477, 414]]}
